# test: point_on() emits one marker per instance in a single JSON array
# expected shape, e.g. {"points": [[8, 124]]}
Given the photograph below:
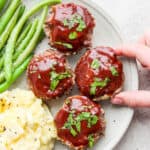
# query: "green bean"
{"points": [[2, 58], [9, 28], [4, 19], [14, 35], [22, 10], [2, 51], [23, 34], [29, 48], [2, 4], [26, 41], [4, 86], [1, 62], [33, 41], [2, 76], [41, 37]]}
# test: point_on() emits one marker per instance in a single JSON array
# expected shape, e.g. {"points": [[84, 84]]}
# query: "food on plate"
{"points": [[49, 75], [79, 122], [2, 4], [25, 122], [4, 86], [99, 73], [11, 24], [70, 27], [8, 14], [16, 45]]}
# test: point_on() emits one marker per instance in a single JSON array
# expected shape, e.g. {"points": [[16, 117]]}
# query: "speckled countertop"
{"points": [[133, 18]]}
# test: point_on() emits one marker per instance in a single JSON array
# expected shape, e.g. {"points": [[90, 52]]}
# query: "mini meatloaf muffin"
{"points": [[70, 27], [49, 75], [99, 74], [79, 122]]}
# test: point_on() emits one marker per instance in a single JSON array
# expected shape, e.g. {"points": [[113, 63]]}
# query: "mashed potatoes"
{"points": [[25, 122]]}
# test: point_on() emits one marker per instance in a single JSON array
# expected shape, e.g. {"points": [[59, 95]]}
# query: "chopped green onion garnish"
{"points": [[70, 121], [81, 26], [114, 71], [93, 90], [73, 35], [91, 140], [94, 120], [98, 83], [95, 64], [78, 126], [85, 115], [54, 84], [76, 122], [65, 22], [55, 78], [75, 19], [67, 45], [54, 75], [73, 132]]}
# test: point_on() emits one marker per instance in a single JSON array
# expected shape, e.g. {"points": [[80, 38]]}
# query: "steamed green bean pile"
{"points": [[19, 36]]}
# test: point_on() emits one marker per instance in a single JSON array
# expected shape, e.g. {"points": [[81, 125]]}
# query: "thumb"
{"points": [[132, 99]]}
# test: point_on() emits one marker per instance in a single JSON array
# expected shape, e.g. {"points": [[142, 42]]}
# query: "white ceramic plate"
{"points": [[106, 34]]}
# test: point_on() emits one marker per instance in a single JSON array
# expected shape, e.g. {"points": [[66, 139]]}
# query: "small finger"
{"points": [[133, 99]]}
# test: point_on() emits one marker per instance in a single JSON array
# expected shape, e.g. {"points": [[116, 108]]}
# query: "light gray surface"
{"points": [[132, 16]]}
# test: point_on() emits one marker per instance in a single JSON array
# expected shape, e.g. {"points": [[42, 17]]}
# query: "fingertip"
{"points": [[117, 101], [145, 39], [118, 50], [132, 99], [125, 50]]}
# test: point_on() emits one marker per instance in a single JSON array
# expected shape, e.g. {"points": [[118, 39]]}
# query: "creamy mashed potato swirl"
{"points": [[25, 122]]}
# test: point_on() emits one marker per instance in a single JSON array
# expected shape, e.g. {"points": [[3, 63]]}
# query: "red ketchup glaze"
{"points": [[39, 77], [85, 74], [60, 31], [78, 105]]}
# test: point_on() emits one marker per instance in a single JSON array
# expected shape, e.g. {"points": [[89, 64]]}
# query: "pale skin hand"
{"points": [[140, 51]]}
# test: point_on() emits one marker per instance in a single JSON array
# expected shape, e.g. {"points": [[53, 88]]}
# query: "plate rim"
{"points": [[132, 62]]}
